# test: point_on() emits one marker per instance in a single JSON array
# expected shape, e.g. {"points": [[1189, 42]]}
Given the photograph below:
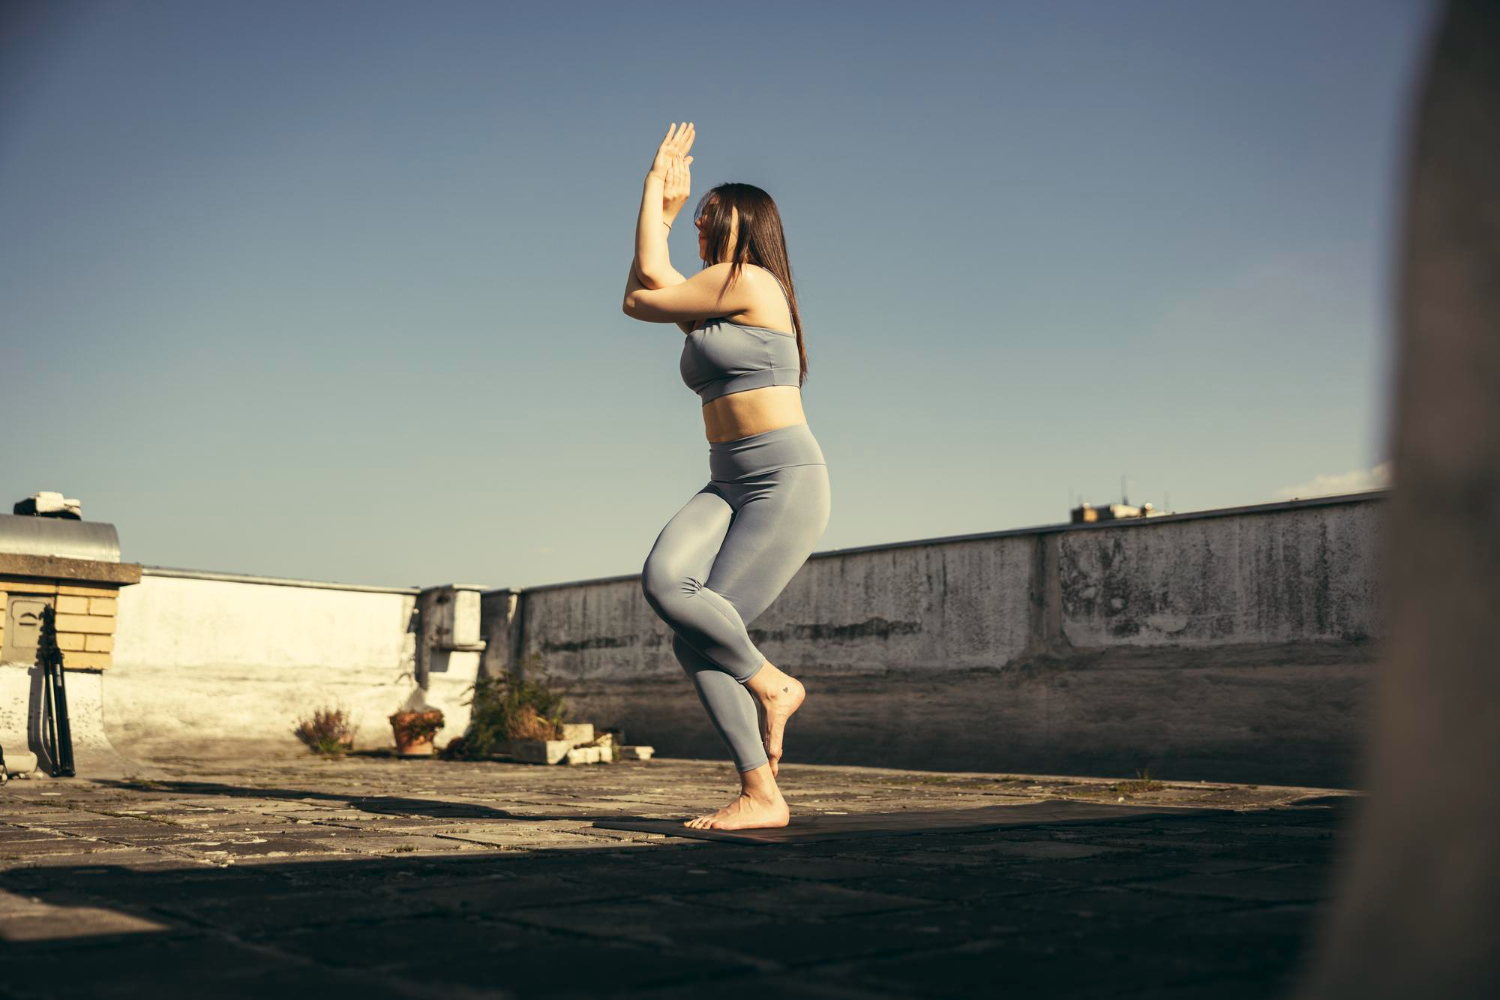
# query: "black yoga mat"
{"points": [[807, 827]]}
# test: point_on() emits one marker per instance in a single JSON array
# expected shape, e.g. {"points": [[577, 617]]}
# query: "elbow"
{"points": [[630, 305]]}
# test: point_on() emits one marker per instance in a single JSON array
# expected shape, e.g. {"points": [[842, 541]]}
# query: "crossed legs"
{"points": [[717, 565]]}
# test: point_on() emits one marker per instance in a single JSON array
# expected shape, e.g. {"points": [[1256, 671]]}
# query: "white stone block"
{"points": [[578, 732], [540, 751], [583, 755]]}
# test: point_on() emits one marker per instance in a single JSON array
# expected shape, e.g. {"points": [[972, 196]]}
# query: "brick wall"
{"points": [[85, 617]]}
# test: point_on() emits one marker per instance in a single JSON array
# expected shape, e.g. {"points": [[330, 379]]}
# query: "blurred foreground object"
{"points": [[1418, 901]]}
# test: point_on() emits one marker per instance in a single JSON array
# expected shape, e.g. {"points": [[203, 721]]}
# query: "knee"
{"points": [[661, 582], [691, 660]]}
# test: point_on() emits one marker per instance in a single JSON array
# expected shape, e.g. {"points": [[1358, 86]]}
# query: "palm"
{"points": [[674, 147], [675, 167]]}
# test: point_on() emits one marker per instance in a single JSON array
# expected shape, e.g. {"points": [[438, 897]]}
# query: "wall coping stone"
{"points": [[276, 581], [60, 568]]}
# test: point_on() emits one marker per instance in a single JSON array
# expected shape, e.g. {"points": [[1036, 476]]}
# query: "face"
{"points": [[702, 223]]}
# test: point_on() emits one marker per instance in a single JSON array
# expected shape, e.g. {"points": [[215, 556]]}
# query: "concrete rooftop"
{"points": [[284, 874]]}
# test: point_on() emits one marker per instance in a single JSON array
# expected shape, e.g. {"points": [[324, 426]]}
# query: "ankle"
{"points": [[760, 789], [768, 680]]}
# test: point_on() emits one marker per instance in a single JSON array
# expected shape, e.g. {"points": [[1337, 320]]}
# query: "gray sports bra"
{"points": [[721, 357]]}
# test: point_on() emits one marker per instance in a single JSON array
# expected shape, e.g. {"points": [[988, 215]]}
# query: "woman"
{"points": [[722, 559]]}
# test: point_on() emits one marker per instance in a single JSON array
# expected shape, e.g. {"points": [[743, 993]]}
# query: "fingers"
{"points": [[680, 137], [666, 142], [674, 147]]}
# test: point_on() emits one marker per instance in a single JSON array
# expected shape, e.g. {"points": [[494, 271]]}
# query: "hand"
{"points": [[674, 147], [677, 186]]}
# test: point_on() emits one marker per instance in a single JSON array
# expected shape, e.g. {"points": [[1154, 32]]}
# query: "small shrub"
{"points": [[519, 705], [329, 731]]}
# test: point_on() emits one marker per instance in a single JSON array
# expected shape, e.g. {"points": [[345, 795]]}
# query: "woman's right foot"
{"points": [[780, 695], [746, 812]]}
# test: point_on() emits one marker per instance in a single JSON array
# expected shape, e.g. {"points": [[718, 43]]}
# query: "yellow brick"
{"points": [[88, 589], [72, 605], [27, 587], [102, 606], [71, 640], [85, 661], [100, 644], [85, 623]]}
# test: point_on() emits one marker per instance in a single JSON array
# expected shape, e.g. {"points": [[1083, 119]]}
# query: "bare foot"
{"points": [[780, 695], [745, 813], [760, 715]]}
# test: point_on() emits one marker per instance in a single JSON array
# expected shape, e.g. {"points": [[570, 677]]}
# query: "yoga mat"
{"points": [[806, 828]]}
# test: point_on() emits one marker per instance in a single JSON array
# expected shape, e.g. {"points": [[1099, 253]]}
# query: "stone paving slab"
{"points": [[283, 874]]}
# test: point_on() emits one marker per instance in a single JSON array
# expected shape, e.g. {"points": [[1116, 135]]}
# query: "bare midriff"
{"points": [[753, 411]]}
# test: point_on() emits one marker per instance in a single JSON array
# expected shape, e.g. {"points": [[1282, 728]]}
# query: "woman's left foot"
{"points": [[745, 813]]}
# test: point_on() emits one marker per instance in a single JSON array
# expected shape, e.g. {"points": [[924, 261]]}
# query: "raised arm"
{"points": [[664, 193], [666, 190]]}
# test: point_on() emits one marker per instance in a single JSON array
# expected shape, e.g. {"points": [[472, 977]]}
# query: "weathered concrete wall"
{"points": [[1228, 645], [1288, 575], [1225, 645], [208, 656]]}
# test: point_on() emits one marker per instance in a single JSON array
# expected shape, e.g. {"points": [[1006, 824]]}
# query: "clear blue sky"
{"points": [[332, 290]]}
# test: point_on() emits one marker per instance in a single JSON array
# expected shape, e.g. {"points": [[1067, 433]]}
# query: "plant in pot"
{"points": [[414, 731]]}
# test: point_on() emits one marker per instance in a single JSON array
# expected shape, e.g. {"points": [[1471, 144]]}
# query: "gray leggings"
{"points": [[722, 559]]}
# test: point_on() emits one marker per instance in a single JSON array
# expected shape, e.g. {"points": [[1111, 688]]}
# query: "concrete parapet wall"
{"points": [[1302, 574], [1225, 645], [1228, 645]]}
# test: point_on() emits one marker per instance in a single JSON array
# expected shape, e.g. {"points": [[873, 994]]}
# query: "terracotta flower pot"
{"points": [[414, 732]]}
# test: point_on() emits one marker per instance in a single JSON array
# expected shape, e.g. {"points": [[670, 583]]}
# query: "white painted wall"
{"points": [[215, 659]]}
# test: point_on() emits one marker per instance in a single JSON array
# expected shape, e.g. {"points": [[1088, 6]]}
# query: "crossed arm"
{"points": [[655, 291], [690, 299]]}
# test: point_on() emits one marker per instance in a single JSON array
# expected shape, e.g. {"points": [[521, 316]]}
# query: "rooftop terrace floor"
{"points": [[283, 874]]}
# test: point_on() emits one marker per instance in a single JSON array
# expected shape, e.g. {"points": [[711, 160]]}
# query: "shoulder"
{"points": [[755, 274], [758, 281], [763, 275]]}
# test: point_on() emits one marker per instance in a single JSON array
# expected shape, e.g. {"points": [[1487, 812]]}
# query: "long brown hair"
{"points": [[759, 240]]}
